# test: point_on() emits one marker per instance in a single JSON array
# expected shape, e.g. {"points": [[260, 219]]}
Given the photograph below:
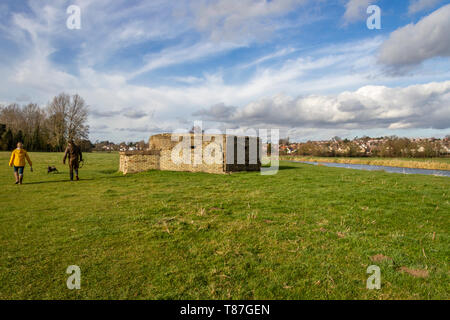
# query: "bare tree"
{"points": [[56, 123], [76, 119], [33, 118], [67, 119], [141, 145], [12, 116]]}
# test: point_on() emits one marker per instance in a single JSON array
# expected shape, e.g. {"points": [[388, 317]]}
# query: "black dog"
{"points": [[52, 169]]}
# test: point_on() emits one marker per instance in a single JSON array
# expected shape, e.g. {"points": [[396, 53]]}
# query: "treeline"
{"points": [[393, 147], [48, 128]]}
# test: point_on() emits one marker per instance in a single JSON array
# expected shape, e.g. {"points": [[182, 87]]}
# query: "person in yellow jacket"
{"points": [[17, 160]]}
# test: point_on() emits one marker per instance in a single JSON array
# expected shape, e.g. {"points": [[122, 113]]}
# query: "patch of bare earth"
{"points": [[418, 273]]}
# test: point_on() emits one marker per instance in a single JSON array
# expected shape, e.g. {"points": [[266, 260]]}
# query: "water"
{"points": [[441, 173]]}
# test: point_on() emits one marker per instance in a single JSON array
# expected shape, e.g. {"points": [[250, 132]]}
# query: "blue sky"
{"points": [[310, 68]]}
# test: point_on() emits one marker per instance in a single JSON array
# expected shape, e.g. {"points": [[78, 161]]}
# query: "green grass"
{"points": [[176, 235]]}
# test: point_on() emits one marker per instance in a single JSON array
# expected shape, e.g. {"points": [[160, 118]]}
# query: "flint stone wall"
{"points": [[139, 161]]}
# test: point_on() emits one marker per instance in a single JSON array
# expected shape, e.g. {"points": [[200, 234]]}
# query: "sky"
{"points": [[311, 68]]}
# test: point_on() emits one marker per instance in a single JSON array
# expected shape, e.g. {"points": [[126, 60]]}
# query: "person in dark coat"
{"points": [[73, 152]]}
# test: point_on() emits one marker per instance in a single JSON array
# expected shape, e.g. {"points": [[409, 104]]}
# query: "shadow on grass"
{"points": [[55, 181], [288, 167]]}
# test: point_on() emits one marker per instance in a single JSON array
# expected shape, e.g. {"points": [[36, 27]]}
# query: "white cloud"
{"points": [[355, 10], [420, 5], [417, 106], [277, 54], [180, 55], [239, 20], [121, 109], [110, 95], [411, 45]]}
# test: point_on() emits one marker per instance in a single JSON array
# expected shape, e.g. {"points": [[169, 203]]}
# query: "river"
{"points": [[441, 173]]}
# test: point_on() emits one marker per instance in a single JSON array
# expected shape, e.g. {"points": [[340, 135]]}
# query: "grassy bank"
{"points": [[308, 232], [433, 164]]}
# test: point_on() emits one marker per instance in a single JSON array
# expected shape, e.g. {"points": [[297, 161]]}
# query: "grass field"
{"points": [[308, 232], [418, 163]]}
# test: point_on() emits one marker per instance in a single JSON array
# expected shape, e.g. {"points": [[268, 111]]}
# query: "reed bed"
{"points": [[431, 164]]}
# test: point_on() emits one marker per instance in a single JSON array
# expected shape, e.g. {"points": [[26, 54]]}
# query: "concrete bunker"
{"points": [[212, 153]]}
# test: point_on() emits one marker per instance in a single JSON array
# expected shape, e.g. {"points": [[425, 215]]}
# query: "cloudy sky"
{"points": [[311, 68]]}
